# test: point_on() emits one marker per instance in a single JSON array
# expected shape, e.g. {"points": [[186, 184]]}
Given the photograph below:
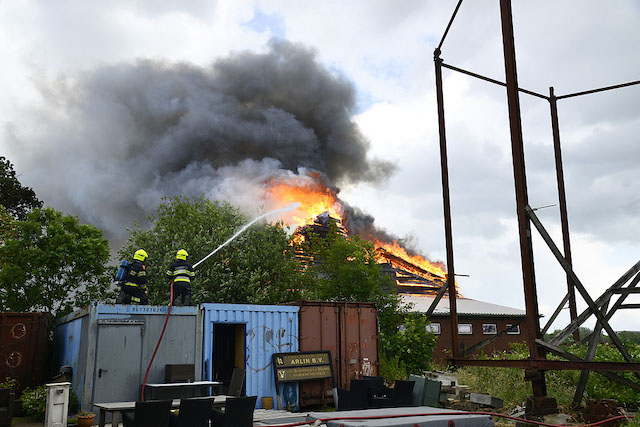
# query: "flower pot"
{"points": [[85, 421], [267, 402]]}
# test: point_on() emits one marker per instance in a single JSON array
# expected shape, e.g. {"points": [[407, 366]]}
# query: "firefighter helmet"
{"points": [[182, 254], [140, 255]]}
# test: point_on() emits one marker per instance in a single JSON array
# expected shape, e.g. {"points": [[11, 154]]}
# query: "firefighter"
{"points": [[135, 285], [181, 273]]}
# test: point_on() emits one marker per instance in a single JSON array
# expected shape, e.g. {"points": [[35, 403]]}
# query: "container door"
{"points": [[118, 358], [359, 340], [228, 351], [319, 330]]}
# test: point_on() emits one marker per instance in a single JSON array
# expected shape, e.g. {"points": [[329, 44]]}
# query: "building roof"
{"points": [[465, 306]]}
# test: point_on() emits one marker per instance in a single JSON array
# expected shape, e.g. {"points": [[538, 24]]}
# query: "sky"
{"points": [[90, 89]]}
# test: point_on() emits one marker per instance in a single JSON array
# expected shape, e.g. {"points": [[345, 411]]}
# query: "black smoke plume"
{"points": [[112, 142]]}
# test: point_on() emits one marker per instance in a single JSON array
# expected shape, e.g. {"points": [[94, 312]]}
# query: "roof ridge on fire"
{"points": [[464, 306]]}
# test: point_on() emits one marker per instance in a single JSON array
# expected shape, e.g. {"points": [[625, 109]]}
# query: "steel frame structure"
{"points": [[537, 363]]}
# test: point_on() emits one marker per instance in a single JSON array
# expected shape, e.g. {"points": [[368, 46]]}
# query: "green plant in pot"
{"points": [[85, 418]]}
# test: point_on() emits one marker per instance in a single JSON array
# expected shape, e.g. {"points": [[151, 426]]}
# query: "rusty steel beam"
{"points": [[602, 89], [490, 80], [555, 314], [569, 356], [532, 326], [436, 300], [579, 286], [564, 221], [550, 365], [626, 291], [446, 31], [618, 303], [591, 352], [446, 201], [582, 317]]}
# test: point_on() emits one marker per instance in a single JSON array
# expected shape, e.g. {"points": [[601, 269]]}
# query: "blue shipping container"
{"points": [[242, 335]]}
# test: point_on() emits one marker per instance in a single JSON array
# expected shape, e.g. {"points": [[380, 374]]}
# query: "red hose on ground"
{"points": [[166, 320], [377, 417]]}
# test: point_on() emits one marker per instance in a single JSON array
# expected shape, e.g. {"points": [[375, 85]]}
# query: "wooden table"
{"points": [[117, 408]]}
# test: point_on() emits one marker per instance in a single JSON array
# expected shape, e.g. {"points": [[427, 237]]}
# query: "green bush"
{"points": [[407, 345], [34, 402], [9, 383], [392, 368]]}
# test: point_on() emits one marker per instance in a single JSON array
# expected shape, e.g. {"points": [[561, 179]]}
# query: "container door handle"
{"points": [[100, 371]]}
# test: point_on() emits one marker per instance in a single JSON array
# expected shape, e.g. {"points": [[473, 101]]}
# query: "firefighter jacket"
{"points": [[181, 272], [137, 275]]}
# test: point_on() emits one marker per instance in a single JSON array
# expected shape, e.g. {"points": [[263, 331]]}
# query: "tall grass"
{"points": [[508, 383]]}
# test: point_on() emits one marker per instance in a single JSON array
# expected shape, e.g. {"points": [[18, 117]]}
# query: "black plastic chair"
{"points": [[357, 397], [403, 393], [238, 412], [378, 389], [153, 413], [237, 382], [193, 412]]}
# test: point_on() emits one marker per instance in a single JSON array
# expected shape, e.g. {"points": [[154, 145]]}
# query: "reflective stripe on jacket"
{"points": [[181, 271], [137, 275]]}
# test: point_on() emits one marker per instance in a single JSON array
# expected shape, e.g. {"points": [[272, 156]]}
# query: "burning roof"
{"points": [[320, 205]]}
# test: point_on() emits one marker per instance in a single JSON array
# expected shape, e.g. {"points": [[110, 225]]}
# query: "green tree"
{"points": [[51, 263], [346, 269], [256, 267], [16, 199]]}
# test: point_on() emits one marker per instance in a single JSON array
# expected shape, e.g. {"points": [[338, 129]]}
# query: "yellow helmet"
{"points": [[140, 255], [182, 254]]}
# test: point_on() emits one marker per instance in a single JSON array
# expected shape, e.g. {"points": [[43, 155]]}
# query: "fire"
{"points": [[397, 250], [314, 198]]}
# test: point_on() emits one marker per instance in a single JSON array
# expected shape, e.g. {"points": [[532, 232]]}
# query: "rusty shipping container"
{"points": [[349, 330], [24, 348]]}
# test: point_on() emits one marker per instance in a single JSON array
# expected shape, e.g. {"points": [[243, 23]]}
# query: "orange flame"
{"points": [[313, 196], [397, 250]]}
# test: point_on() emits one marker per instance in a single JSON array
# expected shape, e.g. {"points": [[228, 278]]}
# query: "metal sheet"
{"points": [[402, 417], [269, 329], [23, 348], [349, 331], [68, 350], [85, 339]]}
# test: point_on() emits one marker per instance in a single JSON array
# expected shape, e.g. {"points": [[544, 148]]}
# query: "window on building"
{"points": [[465, 329], [434, 327], [489, 328], [513, 329]]}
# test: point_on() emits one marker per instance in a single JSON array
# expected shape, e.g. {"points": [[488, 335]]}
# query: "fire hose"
{"points": [[166, 320], [451, 422], [288, 208]]}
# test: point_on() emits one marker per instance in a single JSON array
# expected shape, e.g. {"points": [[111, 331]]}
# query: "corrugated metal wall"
{"points": [[269, 329], [24, 348]]}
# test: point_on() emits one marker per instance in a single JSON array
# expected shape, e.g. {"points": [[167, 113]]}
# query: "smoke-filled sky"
{"points": [[107, 107]]}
